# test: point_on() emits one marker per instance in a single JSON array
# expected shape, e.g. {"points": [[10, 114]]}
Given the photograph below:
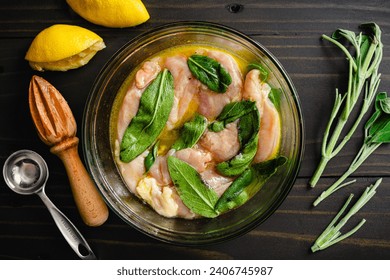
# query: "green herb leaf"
{"points": [[263, 72], [232, 112], [191, 133], [376, 115], [349, 35], [248, 129], [382, 136], [155, 106], [229, 200], [378, 126], [364, 46], [210, 72], [151, 157], [385, 105], [248, 184], [263, 171], [275, 96], [194, 194]]}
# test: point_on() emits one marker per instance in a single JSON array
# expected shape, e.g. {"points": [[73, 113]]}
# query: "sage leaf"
{"points": [[248, 136], [151, 157], [227, 199], [209, 72], [385, 105], [378, 126], [275, 96], [155, 106], [382, 136], [248, 127], [347, 34], [192, 191], [364, 47], [248, 184], [263, 72], [191, 133], [232, 112]]}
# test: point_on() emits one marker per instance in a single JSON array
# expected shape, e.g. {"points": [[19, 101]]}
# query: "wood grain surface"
{"points": [[291, 30]]}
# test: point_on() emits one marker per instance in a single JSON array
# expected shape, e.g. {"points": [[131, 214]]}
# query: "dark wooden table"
{"points": [[289, 29]]}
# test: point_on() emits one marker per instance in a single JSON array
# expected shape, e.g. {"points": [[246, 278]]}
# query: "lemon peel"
{"points": [[62, 47], [113, 13]]}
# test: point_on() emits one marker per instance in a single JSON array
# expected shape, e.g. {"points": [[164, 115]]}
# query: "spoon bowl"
{"points": [[26, 172]]}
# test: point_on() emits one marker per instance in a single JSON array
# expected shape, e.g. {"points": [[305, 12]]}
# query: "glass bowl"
{"points": [[99, 154]]}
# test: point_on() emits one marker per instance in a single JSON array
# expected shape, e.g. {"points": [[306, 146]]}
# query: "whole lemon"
{"points": [[111, 13], [61, 47]]}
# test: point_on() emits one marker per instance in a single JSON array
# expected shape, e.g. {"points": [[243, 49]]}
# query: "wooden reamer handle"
{"points": [[90, 204]]}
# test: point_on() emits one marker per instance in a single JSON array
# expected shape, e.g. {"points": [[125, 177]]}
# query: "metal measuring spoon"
{"points": [[26, 172]]}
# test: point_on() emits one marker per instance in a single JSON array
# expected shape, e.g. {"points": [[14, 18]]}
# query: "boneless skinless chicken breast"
{"points": [[269, 133], [185, 91]]}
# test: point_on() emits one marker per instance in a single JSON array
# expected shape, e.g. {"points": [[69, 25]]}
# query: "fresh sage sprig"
{"points": [[190, 133], [209, 72], [154, 109], [377, 132], [194, 194], [332, 234], [363, 74]]}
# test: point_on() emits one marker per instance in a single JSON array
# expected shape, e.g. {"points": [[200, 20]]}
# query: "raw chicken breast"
{"points": [[159, 169], [186, 89], [212, 103], [216, 181], [133, 171], [147, 73], [269, 133], [197, 158], [222, 145]]}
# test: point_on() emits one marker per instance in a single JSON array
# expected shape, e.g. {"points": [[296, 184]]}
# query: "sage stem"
{"points": [[362, 155], [361, 68]]}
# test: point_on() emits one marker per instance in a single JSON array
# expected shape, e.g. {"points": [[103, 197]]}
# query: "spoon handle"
{"points": [[90, 204], [68, 230]]}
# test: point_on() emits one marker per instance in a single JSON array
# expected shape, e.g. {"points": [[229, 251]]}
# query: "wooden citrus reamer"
{"points": [[57, 127]]}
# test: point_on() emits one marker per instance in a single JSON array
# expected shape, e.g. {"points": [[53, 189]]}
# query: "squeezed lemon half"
{"points": [[62, 47], [111, 13]]}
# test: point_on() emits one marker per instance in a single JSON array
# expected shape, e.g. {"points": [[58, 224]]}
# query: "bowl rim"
{"points": [[299, 154]]}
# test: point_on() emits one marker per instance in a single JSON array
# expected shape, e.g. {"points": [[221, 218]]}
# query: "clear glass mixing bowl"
{"points": [[99, 154]]}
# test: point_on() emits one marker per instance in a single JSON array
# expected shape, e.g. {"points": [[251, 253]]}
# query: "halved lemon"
{"points": [[61, 47], [111, 13]]}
